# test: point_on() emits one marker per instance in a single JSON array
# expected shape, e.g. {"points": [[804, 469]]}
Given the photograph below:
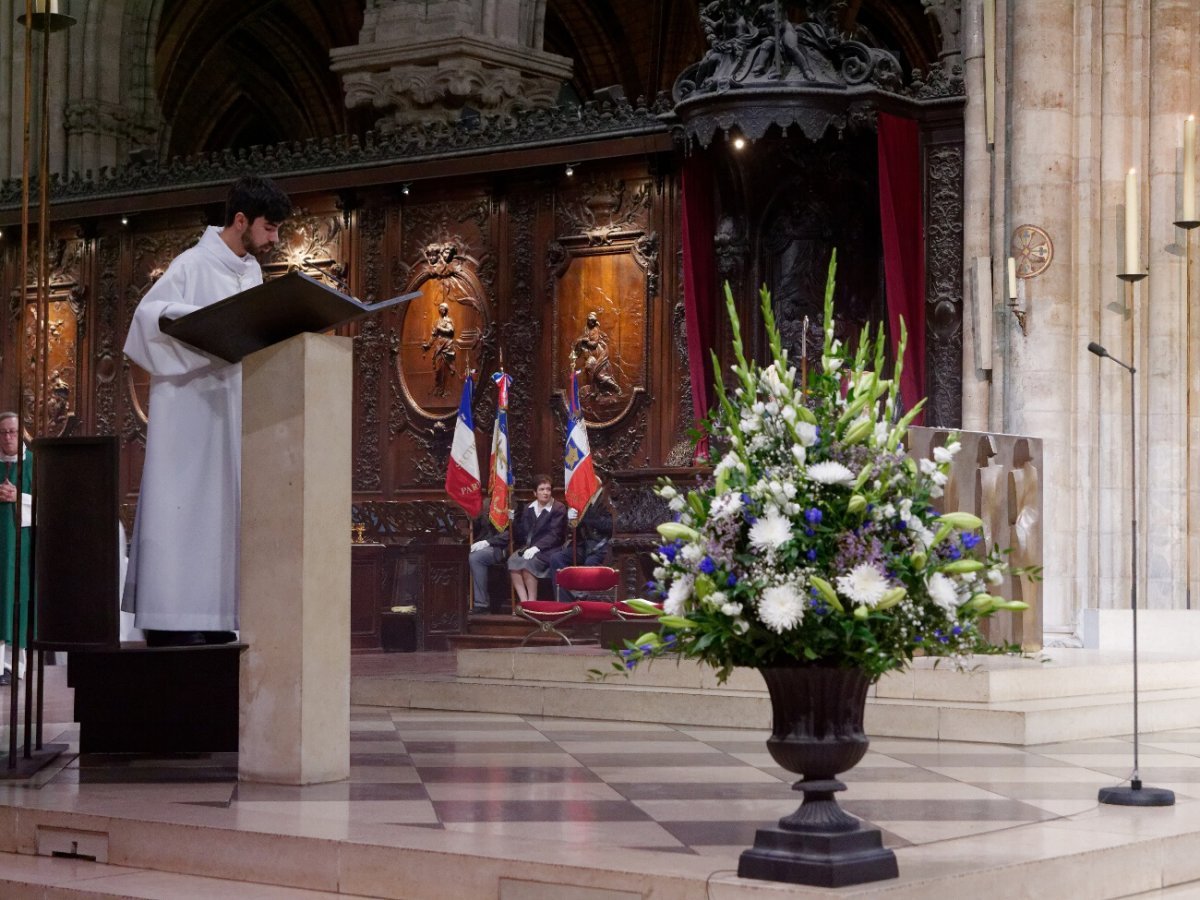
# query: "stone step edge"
{"points": [[1138, 855], [1039, 704], [85, 878], [1005, 685], [903, 719]]}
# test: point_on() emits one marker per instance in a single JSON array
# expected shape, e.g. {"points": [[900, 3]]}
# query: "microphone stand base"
{"points": [[1137, 796]]}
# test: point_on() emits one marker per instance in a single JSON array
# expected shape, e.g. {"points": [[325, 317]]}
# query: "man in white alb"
{"points": [[182, 578]]}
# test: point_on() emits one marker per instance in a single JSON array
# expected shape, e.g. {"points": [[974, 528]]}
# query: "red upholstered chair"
{"points": [[586, 583]]}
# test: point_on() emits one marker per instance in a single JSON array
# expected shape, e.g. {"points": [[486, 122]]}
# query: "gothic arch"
{"points": [[231, 73]]}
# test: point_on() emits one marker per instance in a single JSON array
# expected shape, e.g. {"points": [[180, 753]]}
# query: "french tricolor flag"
{"points": [[462, 473], [579, 475]]}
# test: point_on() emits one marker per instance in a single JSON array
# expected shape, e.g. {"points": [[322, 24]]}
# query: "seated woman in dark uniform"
{"points": [[540, 530]]}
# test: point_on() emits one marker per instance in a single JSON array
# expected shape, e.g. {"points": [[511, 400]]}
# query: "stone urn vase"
{"points": [[817, 733]]}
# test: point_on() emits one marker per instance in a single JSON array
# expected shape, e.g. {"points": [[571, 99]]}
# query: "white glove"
{"points": [[572, 514], [478, 545], [530, 553]]}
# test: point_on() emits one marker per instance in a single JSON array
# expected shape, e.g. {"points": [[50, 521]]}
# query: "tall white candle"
{"points": [[40, 6], [1189, 169], [1132, 244], [1012, 278]]}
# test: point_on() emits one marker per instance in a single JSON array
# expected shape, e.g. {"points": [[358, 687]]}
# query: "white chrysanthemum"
{"points": [[927, 466], [994, 576], [830, 472], [865, 585], [941, 591], [677, 596], [692, 553], [781, 608], [732, 609], [770, 532]]}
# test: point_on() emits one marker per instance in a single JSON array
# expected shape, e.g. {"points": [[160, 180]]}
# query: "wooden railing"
{"points": [[998, 477]]}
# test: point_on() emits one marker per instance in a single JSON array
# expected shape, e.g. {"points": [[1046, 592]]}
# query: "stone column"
{"points": [[1037, 397], [421, 62], [295, 562], [1166, 320], [977, 214]]}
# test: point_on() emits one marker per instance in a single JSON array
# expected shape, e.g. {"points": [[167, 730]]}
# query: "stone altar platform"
{"points": [[465, 804], [1061, 694]]}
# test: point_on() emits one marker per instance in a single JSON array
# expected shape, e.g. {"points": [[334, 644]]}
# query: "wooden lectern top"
{"points": [[233, 328]]}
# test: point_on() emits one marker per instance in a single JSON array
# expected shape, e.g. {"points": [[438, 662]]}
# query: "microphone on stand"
{"points": [[1135, 794]]}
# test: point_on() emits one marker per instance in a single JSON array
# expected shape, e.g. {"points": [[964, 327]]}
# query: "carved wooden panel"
{"points": [[56, 384], [441, 333]]}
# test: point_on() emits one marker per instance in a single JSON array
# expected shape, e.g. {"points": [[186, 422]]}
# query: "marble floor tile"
{"points": [[374, 811], [557, 792], [641, 748], [484, 757], [625, 774], [613, 834], [925, 832], [497, 810], [1010, 773]]}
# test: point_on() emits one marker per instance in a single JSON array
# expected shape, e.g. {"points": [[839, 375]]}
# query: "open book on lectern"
{"points": [[233, 328]]}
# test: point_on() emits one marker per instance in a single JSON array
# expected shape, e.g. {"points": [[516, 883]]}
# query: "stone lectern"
{"points": [[294, 576]]}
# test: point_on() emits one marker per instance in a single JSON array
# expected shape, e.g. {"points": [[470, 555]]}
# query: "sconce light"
{"points": [[406, 188], [739, 143], [570, 170], [125, 221]]}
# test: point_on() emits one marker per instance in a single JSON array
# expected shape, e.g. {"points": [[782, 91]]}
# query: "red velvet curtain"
{"points": [[700, 290], [902, 223]]}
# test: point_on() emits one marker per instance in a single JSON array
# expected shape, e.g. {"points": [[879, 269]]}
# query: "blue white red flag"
{"points": [[579, 475], [462, 473], [500, 478]]}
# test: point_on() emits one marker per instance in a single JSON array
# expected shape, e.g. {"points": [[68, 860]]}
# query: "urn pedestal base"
{"points": [[830, 859]]}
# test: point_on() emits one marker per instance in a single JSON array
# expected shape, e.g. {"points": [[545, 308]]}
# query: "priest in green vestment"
{"points": [[14, 500]]}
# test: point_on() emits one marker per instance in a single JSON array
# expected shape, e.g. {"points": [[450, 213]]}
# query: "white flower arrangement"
{"points": [[817, 540]]}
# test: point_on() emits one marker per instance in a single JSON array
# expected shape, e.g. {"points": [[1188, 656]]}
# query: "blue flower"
{"points": [[811, 554], [918, 638], [953, 552], [809, 532], [645, 648], [900, 525], [707, 566], [668, 551], [944, 639], [627, 653], [669, 640], [956, 630], [630, 664], [813, 516], [969, 539], [731, 581]]}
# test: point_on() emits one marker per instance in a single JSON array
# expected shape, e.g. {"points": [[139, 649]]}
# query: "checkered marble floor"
{"points": [[671, 789]]}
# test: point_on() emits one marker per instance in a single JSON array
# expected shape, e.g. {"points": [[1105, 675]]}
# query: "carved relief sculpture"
{"points": [[441, 341], [589, 356], [451, 320]]}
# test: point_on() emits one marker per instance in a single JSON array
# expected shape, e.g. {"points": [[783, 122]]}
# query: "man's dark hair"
{"points": [[254, 196], [540, 480]]}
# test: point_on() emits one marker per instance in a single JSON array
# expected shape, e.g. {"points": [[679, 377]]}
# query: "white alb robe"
{"points": [[183, 562]]}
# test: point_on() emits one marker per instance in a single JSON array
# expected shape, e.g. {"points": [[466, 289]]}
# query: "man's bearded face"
{"points": [[260, 236]]}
